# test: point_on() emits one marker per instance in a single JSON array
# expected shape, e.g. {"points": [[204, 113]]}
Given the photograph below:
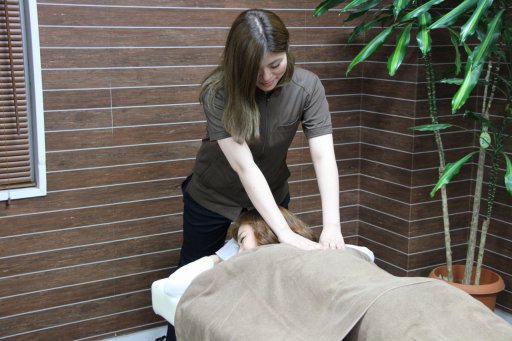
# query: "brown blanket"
{"points": [[278, 292]]}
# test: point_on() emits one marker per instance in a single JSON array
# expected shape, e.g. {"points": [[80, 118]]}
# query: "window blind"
{"points": [[15, 160]]}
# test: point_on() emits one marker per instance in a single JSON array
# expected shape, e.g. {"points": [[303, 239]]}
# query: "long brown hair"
{"points": [[263, 233], [253, 33]]}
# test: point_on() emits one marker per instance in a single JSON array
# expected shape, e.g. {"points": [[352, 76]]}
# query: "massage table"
{"points": [[163, 304]]}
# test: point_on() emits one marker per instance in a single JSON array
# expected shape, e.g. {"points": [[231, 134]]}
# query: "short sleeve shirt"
{"points": [[216, 186]]}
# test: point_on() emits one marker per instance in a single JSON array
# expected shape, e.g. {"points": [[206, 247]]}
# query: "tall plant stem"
{"points": [[432, 108], [490, 203], [477, 195], [496, 158], [475, 213]]}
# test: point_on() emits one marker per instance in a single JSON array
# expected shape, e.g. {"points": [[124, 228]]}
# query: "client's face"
{"points": [[246, 238]]}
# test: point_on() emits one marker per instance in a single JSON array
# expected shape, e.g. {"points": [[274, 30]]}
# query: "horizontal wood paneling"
{"points": [[99, 196], [198, 4], [85, 254], [393, 175], [155, 57], [72, 239], [123, 125], [391, 106], [117, 174], [84, 216], [171, 16], [388, 139], [87, 273], [434, 223], [124, 77], [80, 293], [102, 325], [124, 136], [63, 160], [169, 36]]}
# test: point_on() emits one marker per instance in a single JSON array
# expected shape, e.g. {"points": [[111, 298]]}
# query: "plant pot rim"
{"points": [[495, 285]]}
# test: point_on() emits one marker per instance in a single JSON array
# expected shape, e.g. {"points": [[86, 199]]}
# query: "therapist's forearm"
{"points": [[261, 197], [254, 182], [328, 183], [326, 169]]}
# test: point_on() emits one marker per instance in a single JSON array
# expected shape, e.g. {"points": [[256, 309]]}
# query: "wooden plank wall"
{"points": [[123, 124]]}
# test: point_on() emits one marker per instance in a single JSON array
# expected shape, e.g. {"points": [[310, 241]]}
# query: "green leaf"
{"points": [[476, 61], [454, 38], [469, 83], [449, 18], [324, 6], [481, 52], [362, 10], [370, 48], [365, 27], [508, 175], [467, 48], [423, 37], [450, 171], [485, 123], [354, 15], [421, 9], [399, 5], [432, 127], [402, 43], [470, 26], [352, 4]]}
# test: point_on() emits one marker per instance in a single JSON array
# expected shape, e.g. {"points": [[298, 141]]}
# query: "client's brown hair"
{"points": [[263, 233]]}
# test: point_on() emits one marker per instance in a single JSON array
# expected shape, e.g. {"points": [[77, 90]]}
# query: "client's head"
{"points": [[250, 229]]}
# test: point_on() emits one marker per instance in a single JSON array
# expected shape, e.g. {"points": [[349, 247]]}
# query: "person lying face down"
{"points": [[250, 231]]}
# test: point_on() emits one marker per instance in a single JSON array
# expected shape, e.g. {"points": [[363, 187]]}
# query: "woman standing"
{"points": [[254, 101]]}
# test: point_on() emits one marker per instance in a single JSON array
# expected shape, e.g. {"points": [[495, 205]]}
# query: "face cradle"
{"points": [[246, 238], [272, 68]]}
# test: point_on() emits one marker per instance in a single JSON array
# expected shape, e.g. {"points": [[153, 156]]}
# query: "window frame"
{"points": [[33, 74]]}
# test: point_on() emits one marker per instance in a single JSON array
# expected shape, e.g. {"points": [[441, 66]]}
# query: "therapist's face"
{"points": [[272, 68], [246, 238]]}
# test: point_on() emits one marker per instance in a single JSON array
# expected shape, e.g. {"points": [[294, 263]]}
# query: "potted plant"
{"points": [[485, 23]]}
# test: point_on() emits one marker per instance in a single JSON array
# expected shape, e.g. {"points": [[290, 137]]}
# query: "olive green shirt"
{"points": [[216, 186]]}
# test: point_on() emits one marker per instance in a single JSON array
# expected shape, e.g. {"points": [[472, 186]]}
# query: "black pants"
{"points": [[204, 232]]}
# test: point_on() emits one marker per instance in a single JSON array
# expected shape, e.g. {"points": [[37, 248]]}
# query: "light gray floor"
{"points": [[144, 335], [503, 314]]}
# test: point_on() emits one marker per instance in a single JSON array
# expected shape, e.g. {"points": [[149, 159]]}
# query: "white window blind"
{"points": [[15, 164]]}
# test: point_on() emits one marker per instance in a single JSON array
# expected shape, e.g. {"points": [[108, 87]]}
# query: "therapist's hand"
{"points": [[294, 239], [331, 238]]}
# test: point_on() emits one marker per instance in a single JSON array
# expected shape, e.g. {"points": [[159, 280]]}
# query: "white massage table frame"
{"points": [[163, 304]]}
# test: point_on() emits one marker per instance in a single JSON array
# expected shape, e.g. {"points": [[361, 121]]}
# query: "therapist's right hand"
{"points": [[294, 239]]}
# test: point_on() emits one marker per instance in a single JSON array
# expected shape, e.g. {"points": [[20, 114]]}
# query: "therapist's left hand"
{"points": [[331, 238]]}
